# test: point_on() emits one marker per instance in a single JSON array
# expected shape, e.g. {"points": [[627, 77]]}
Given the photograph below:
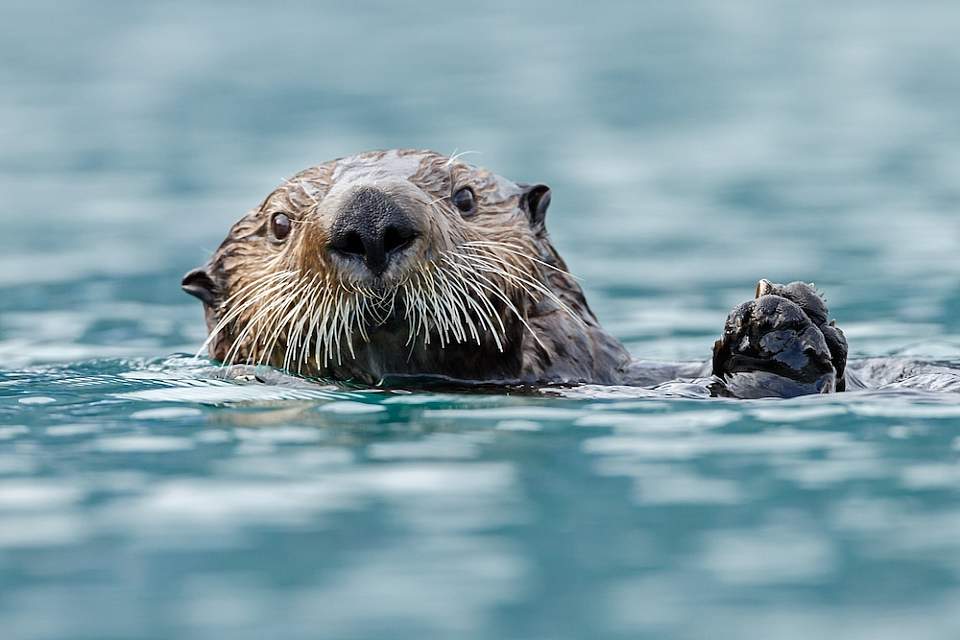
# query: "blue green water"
{"points": [[692, 147]]}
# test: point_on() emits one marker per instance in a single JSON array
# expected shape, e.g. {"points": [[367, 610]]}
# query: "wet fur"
{"points": [[539, 329]]}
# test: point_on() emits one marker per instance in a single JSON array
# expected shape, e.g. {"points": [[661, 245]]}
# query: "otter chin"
{"points": [[402, 264]]}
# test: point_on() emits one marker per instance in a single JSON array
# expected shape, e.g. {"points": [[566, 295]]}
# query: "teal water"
{"points": [[692, 147]]}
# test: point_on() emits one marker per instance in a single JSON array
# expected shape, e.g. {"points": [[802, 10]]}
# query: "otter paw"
{"points": [[780, 344]]}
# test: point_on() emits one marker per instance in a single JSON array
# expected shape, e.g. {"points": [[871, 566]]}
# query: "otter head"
{"points": [[397, 263], [781, 344]]}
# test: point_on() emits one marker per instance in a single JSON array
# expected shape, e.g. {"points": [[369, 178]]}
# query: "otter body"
{"points": [[406, 264]]}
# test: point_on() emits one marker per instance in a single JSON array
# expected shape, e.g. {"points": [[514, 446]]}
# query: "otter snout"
{"points": [[372, 228]]}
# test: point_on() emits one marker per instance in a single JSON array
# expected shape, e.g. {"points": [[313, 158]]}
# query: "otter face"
{"points": [[388, 263], [781, 344]]}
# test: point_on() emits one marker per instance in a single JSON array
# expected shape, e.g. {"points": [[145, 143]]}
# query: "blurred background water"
{"points": [[692, 147]]}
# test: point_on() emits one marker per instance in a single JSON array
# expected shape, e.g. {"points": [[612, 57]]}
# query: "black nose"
{"points": [[372, 227]]}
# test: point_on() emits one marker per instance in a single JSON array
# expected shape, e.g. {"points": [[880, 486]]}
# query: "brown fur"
{"points": [[264, 298]]}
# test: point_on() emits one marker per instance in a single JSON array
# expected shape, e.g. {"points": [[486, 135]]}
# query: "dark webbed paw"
{"points": [[780, 344]]}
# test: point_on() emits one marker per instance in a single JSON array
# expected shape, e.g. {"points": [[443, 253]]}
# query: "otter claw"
{"points": [[764, 287]]}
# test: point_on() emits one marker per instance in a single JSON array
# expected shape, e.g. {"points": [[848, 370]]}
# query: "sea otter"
{"points": [[409, 265]]}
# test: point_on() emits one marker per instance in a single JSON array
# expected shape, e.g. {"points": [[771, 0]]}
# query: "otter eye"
{"points": [[280, 225], [464, 200]]}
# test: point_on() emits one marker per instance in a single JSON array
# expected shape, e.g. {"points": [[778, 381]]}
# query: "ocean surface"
{"points": [[692, 147]]}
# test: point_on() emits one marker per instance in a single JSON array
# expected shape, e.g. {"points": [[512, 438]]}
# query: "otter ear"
{"points": [[535, 199], [199, 284]]}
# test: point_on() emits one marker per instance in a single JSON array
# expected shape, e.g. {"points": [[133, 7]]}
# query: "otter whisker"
{"points": [[295, 329], [331, 328], [318, 328], [413, 313], [285, 325], [350, 314], [257, 318], [273, 324], [277, 294], [492, 288], [521, 281], [253, 332], [264, 287], [465, 300], [332, 306], [446, 302], [278, 321], [410, 312], [342, 328], [483, 315], [451, 302], [324, 339], [456, 156], [332, 336], [457, 300], [517, 250], [309, 192], [294, 334], [453, 295], [236, 311], [424, 307], [361, 322], [259, 282], [436, 312], [309, 322], [346, 323]]}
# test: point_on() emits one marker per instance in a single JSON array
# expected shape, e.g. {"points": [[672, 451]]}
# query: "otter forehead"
{"points": [[417, 166], [379, 165]]}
